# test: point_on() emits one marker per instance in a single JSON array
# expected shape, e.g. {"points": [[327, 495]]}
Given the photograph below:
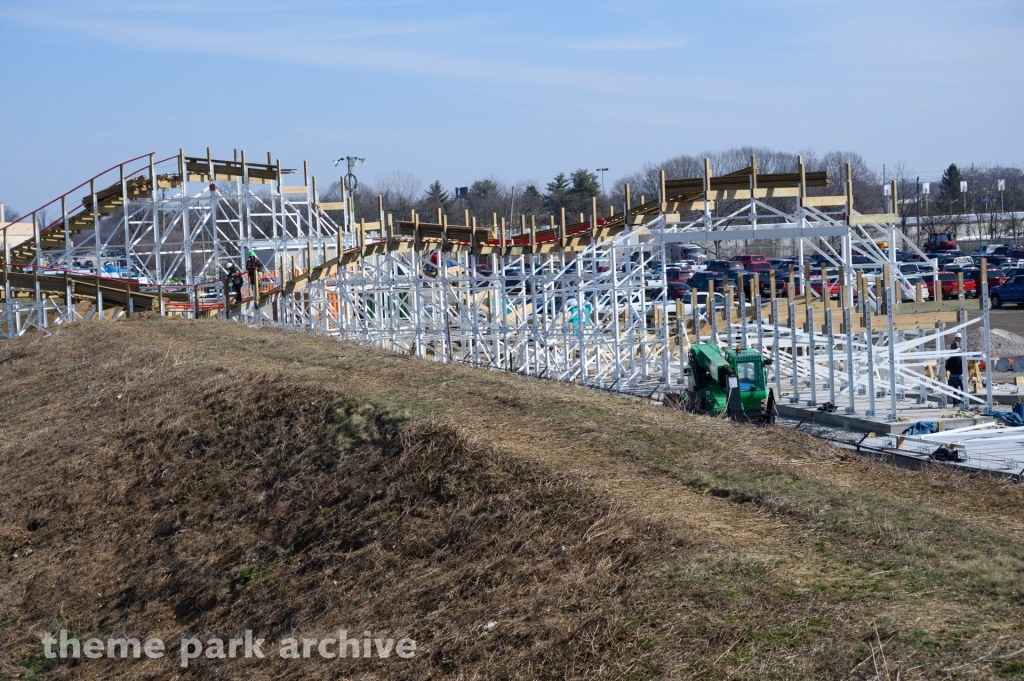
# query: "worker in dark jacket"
{"points": [[955, 366], [253, 266], [235, 282]]}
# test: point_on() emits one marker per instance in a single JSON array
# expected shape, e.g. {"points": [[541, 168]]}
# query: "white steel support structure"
{"points": [[586, 303]]}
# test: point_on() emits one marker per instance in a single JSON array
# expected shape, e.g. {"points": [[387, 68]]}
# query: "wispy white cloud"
{"points": [[452, 48], [626, 44]]}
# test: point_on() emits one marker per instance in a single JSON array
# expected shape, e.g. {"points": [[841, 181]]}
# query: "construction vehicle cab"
{"points": [[940, 241], [733, 382]]}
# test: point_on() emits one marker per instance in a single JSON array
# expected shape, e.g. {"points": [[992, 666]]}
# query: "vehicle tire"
{"points": [[996, 303]]}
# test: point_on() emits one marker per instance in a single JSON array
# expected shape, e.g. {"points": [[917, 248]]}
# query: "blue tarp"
{"points": [[1011, 418], [922, 428]]}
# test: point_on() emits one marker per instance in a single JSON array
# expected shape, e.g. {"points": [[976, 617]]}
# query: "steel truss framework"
{"points": [[585, 303]]}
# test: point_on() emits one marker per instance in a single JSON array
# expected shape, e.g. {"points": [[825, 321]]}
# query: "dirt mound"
{"points": [[1003, 343], [162, 478], [187, 503]]}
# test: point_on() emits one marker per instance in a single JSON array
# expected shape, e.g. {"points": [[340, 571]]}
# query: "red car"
{"points": [[833, 287], [676, 274], [748, 259], [948, 282], [762, 267], [995, 277]]}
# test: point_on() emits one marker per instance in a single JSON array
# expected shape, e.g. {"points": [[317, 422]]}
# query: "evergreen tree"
{"points": [[437, 195], [558, 192], [483, 189], [950, 187], [584, 185]]}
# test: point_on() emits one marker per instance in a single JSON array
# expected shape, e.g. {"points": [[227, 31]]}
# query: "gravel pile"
{"points": [[1004, 343]]}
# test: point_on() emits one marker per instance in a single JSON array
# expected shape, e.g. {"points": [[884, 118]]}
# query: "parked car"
{"points": [[724, 265], [760, 267], [699, 281], [909, 268], [995, 277], [908, 289], [1011, 291], [1012, 251], [702, 301], [748, 258], [677, 274], [948, 284], [677, 289], [992, 260]]}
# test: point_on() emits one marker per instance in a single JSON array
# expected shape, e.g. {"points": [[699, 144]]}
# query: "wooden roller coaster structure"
{"points": [[585, 301]]}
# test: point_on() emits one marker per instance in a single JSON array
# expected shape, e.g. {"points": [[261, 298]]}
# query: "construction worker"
{"points": [[253, 266], [955, 365], [235, 282]]}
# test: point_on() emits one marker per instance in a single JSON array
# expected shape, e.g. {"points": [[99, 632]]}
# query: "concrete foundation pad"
{"points": [[878, 424]]}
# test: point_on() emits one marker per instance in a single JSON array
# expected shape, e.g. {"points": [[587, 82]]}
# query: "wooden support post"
{"points": [[709, 309], [807, 288], [918, 294], [824, 277], [884, 288], [661, 191], [960, 285], [849, 196], [561, 228], [533, 234], [843, 297], [803, 178], [593, 219], [771, 283], [127, 299], [791, 291]]}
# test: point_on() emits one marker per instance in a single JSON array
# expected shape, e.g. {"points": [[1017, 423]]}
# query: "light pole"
{"points": [[602, 171], [351, 183]]}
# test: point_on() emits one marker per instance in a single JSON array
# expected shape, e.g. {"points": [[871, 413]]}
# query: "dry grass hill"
{"points": [[194, 480]]}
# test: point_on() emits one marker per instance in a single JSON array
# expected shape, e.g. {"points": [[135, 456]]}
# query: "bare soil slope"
{"points": [[173, 479]]}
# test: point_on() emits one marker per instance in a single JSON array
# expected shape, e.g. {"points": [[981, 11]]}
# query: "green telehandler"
{"points": [[733, 382]]}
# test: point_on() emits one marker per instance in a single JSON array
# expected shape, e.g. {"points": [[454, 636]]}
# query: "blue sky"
{"points": [[457, 91]]}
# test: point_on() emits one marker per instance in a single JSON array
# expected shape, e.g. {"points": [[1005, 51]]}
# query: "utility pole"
{"points": [[918, 209], [602, 171]]}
